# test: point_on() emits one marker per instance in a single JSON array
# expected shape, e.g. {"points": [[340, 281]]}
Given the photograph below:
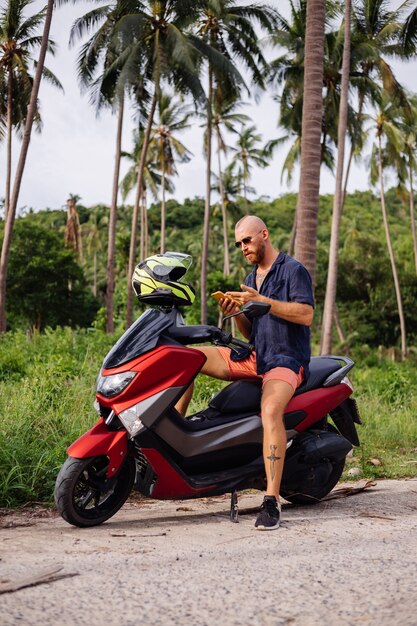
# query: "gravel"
{"points": [[349, 560]]}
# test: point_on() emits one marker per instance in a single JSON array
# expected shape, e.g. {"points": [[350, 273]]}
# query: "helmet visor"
{"points": [[185, 259]]}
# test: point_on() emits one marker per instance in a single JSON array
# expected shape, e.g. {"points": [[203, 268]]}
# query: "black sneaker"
{"points": [[268, 518]]}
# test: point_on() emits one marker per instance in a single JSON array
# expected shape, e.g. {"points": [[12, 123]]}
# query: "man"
{"points": [[282, 346]]}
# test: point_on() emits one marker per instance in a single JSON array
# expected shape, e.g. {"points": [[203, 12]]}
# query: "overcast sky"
{"points": [[75, 151]]}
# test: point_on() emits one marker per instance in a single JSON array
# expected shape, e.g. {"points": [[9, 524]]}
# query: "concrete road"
{"points": [[346, 561]]}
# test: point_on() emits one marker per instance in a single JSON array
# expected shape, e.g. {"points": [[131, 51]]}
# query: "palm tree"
{"points": [[31, 112], [158, 48], [409, 34], [248, 154], [407, 162], [152, 180], [308, 198], [378, 33], [94, 244], [99, 54], [18, 39], [228, 29], [286, 73], [165, 148], [387, 130], [225, 119], [73, 237], [231, 187], [330, 297], [288, 70]]}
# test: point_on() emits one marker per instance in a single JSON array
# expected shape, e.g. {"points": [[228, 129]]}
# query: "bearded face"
{"points": [[252, 243]]}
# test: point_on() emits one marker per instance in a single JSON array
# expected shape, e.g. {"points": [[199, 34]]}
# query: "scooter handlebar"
{"points": [[194, 334], [228, 340], [241, 344], [203, 334]]}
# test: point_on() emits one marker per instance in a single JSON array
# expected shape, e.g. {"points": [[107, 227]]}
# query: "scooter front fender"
{"points": [[100, 441]]}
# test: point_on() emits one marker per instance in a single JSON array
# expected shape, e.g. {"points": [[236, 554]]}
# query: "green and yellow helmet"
{"points": [[156, 280]]}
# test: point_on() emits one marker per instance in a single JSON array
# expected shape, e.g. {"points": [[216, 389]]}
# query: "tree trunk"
{"points": [[111, 247], [359, 115], [245, 197], [226, 260], [142, 225], [11, 213], [412, 216], [73, 237], [163, 209], [331, 288], [293, 233], [145, 224], [349, 163], [139, 191], [95, 273], [391, 254], [206, 226], [308, 199], [339, 328], [9, 142]]}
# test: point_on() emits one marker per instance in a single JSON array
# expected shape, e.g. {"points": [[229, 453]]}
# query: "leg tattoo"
{"points": [[272, 458]]}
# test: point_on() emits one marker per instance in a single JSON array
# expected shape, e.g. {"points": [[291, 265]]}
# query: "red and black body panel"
{"points": [[100, 441], [213, 452], [218, 449], [165, 367]]}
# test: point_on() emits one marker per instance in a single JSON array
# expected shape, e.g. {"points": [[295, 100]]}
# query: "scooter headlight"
{"points": [[112, 385]]}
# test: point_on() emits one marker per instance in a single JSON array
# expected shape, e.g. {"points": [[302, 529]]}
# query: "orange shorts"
{"points": [[247, 369]]}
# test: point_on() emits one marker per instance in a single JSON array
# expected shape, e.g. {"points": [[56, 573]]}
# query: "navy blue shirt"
{"points": [[279, 343]]}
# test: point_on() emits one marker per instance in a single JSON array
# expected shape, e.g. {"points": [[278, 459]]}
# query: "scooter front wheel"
{"points": [[85, 496]]}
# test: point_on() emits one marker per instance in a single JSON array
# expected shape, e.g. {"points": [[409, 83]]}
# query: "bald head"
{"points": [[251, 222], [252, 237]]}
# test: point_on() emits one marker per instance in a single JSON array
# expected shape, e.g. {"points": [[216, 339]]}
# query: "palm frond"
{"points": [[409, 34], [88, 22], [217, 60]]}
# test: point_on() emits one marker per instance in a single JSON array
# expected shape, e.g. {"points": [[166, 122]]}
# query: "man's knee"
{"points": [[215, 365], [275, 397], [272, 416]]}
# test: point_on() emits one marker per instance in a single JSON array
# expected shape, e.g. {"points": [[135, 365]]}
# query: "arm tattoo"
{"points": [[272, 458]]}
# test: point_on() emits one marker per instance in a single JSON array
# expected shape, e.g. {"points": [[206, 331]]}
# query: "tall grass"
{"points": [[47, 385], [46, 396], [387, 398]]}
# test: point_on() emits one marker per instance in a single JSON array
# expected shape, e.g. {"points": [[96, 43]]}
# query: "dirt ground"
{"points": [[348, 560]]}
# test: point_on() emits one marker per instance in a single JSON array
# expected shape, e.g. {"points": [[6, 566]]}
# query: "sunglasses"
{"points": [[246, 240]]}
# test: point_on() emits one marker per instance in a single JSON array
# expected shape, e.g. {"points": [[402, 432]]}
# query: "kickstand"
{"points": [[234, 508]]}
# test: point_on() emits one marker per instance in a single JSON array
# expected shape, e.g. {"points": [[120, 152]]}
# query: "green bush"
{"points": [[48, 286], [45, 403]]}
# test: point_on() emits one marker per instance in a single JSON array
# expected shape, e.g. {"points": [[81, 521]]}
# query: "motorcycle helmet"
{"points": [[157, 280]]}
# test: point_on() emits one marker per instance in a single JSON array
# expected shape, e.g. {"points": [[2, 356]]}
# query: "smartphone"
{"points": [[218, 295]]}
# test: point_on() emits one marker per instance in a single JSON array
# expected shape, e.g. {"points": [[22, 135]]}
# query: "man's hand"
{"points": [[244, 296], [228, 306], [295, 312]]}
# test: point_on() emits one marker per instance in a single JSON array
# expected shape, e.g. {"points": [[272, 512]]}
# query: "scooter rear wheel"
{"points": [[84, 496], [312, 492]]}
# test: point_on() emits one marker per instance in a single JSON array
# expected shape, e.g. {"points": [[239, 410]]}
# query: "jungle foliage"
{"points": [[47, 286]]}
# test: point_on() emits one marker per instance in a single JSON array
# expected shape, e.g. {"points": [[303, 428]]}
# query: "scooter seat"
{"points": [[247, 393], [242, 394], [320, 368]]}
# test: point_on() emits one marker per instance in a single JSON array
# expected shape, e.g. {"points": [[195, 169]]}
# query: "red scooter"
{"points": [[141, 441]]}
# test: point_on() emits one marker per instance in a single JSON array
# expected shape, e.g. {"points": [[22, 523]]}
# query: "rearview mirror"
{"points": [[255, 309], [251, 309]]}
